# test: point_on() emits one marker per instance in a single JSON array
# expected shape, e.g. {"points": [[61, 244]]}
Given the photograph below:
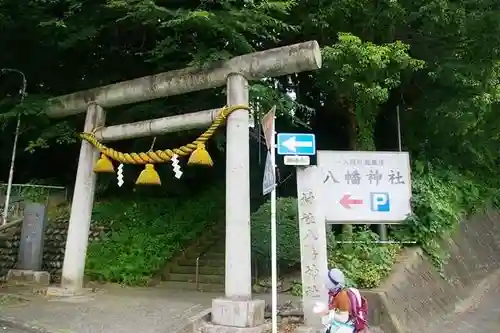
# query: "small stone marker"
{"points": [[32, 233]]}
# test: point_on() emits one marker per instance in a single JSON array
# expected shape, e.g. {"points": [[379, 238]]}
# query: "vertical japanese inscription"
{"points": [[307, 198], [311, 236]]}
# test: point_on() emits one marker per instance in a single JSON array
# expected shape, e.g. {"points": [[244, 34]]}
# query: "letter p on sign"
{"points": [[380, 202]]}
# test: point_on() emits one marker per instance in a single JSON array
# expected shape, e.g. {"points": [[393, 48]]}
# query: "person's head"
{"points": [[335, 280]]}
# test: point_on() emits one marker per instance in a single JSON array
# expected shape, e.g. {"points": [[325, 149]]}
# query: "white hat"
{"points": [[334, 279]]}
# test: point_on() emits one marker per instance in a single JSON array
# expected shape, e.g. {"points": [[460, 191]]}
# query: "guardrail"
{"points": [[22, 192], [16, 209], [11, 224]]}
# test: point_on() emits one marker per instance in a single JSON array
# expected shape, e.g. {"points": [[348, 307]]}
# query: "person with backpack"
{"points": [[347, 310]]}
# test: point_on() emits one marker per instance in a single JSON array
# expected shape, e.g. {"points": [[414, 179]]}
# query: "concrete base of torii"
{"points": [[233, 315]]}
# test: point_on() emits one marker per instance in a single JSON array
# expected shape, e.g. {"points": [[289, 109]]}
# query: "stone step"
{"points": [[204, 270], [207, 287], [202, 262], [210, 279]]}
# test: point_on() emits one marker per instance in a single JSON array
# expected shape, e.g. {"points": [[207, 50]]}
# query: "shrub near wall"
{"points": [[129, 240], [288, 247], [147, 233]]}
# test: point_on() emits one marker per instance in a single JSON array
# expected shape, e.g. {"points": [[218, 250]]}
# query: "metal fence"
{"points": [[29, 192]]}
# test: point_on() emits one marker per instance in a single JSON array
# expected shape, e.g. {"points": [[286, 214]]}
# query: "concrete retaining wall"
{"points": [[415, 294]]}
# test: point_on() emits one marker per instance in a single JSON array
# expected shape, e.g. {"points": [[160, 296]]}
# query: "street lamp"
{"points": [[22, 91]]}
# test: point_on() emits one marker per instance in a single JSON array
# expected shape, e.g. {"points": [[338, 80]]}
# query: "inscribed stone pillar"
{"points": [[313, 255]]}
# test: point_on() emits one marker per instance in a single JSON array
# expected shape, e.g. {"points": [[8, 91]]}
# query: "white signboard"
{"points": [[369, 187], [297, 160]]}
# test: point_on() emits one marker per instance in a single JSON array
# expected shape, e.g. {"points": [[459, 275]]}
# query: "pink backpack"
{"points": [[359, 310]]}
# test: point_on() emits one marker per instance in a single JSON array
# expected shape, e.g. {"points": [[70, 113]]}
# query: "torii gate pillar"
{"points": [[81, 206], [237, 310], [238, 239]]}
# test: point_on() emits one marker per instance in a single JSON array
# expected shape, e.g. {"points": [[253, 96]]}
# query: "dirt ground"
{"points": [[286, 328]]}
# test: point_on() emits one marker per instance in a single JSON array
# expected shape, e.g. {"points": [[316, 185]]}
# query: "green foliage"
{"points": [[438, 60], [360, 71], [288, 242], [361, 76], [442, 197], [365, 263], [146, 233]]}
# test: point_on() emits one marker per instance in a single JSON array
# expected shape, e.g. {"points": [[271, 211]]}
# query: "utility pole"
{"points": [[22, 91]]}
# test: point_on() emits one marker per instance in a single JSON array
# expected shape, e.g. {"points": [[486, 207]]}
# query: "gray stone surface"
{"points": [[483, 316], [32, 233], [238, 313], [20, 275], [422, 300], [113, 309], [312, 233]]}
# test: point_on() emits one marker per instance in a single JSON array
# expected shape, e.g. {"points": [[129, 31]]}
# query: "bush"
{"points": [[288, 247], [365, 263], [145, 233]]}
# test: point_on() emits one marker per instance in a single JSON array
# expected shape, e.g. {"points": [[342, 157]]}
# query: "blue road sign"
{"points": [[296, 144], [380, 202]]}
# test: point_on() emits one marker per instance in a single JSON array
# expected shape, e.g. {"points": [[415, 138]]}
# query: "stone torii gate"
{"points": [[237, 309]]}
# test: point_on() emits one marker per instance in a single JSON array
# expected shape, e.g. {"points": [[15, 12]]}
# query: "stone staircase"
{"points": [[207, 257]]}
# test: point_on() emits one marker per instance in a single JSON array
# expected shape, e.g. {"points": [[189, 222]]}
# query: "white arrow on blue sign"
{"points": [[296, 144]]}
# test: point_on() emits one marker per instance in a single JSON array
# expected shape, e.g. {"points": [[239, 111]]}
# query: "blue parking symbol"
{"points": [[380, 202]]}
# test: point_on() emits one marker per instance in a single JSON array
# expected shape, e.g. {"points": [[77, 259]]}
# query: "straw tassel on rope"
{"points": [[104, 165], [149, 176]]}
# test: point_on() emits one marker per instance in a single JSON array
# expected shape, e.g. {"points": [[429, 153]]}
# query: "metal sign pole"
{"points": [[269, 186], [274, 259]]}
